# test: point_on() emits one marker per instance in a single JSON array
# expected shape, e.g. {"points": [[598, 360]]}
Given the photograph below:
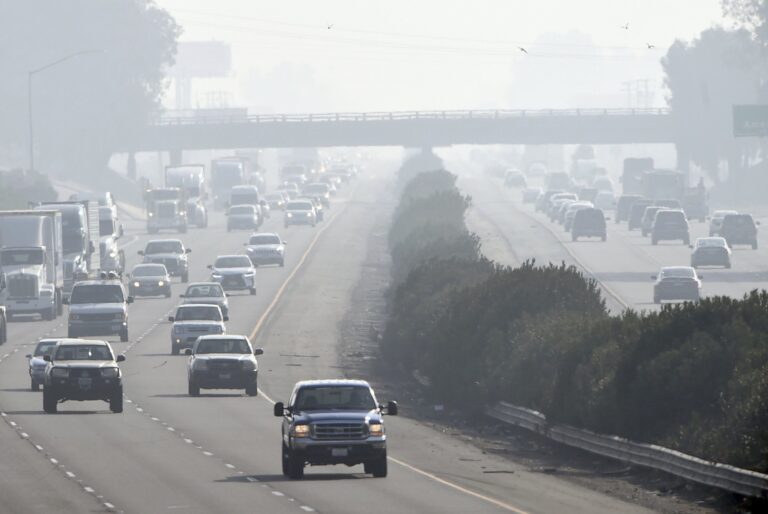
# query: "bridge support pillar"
{"points": [[131, 166], [683, 158], [175, 157]]}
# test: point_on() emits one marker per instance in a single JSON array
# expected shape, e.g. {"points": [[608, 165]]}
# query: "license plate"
{"points": [[84, 383], [339, 452], [116, 327], [225, 376]]}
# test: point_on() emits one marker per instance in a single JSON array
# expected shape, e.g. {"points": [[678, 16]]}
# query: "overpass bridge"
{"points": [[235, 128]]}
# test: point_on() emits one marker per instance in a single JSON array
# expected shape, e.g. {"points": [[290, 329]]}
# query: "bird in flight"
{"points": [[625, 26], [330, 26], [522, 50], [650, 46]]}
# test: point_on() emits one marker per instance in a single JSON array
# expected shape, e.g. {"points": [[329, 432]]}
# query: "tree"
{"points": [[752, 14], [85, 105], [705, 79]]}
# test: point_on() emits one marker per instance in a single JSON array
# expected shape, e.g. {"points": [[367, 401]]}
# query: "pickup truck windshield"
{"points": [[264, 240], [163, 247], [198, 313], [237, 346], [97, 293], [83, 352], [208, 290], [236, 261], [334, 398], [21, 257]]}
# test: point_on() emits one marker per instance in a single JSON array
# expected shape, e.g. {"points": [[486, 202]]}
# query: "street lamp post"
{"points": [[30, 75]]}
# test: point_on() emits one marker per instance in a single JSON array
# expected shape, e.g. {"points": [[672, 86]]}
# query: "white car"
{"points": [[37, 363], [266, 248], [300, 212], [716, 221], [192, 321], [210, 293], [676, 283], [234, 273], [223, 362], [711, 251]]}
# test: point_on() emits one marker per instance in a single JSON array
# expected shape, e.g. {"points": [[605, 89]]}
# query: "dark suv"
{"points": [[669, 225], [635, 219], [333, 422], [739, 229], [588, 223], [81, 370], [624, 206]]}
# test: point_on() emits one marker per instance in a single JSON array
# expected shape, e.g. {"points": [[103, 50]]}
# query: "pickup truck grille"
{"points": [[338, 431], [22, 286], [223, 364], [109, 316]]}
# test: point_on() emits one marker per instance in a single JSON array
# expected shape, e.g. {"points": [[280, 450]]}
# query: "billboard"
{"points": [[202, 59], [750, 120]]}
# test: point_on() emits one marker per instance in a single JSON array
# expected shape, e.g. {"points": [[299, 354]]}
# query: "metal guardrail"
{"points": [[723, 476], [202, 118]]}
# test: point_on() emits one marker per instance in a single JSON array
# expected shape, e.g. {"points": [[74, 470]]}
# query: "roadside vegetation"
{"points": [[693, 377], [18, 188]]}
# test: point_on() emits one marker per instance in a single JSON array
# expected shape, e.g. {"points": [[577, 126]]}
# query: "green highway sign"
{"points": [[750, 120]]}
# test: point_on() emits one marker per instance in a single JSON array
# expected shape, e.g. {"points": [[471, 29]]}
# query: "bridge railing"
{"points": [[241, 116]]}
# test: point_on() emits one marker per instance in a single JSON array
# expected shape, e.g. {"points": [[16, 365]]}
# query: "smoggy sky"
{"points": [[441, 54]]}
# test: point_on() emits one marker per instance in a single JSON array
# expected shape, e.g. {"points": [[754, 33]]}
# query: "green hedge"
{"points": [[692, 376], [18, 188]]}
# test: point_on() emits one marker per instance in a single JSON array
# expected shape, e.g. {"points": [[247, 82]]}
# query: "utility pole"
{"points": [[30, 76]]}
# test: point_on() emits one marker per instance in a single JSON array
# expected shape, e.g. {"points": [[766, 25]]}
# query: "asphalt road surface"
{"points": [[169, 452], [512, 232]]}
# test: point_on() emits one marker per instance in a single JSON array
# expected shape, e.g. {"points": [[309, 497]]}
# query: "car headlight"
{"points": [[161, 283], [216, 275], [289, 215], [376, 429], [151, 215], [119, 316], [200, 364], [109, 372], [249, 365], [136, 284], [60, 372], [74, 317], [300, 431], [113, 254]]}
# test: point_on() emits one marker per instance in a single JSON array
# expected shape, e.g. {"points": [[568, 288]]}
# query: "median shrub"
{"points": [[693, 377]]}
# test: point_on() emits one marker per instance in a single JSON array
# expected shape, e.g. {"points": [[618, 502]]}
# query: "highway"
{"points": [[219, 453], [512, 232]]}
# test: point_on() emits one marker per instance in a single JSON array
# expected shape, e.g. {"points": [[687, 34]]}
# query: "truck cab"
{"points": [[167, 215]]}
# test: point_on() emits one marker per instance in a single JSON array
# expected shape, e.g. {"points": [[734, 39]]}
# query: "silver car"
{"points": [[234, 273], [208, 293], [266, 248], [37, 363]]}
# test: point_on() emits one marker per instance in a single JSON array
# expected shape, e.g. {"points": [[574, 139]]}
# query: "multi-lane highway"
{"points": [[170, 452], [623, 265]]}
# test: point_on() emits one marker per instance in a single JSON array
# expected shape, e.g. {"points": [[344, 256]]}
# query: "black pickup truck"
{"points": [[333, 422]]}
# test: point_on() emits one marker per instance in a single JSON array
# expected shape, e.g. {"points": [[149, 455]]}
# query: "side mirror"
{"points": [[209, 266], [391, 408], [171, 319], [226, 318], [285, 242], [129, 299], [701, 277], [140, 252], [690, 246], [757, 223], [120, 358], [47, 358], [188, 351], [65, 301], [226, 295], [654, 277], [607, 218], [279, 409], [258, 351], [188, 250], [28, 356], [182, 295]]}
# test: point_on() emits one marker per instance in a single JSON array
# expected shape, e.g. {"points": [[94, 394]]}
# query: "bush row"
{"points": [[692, 377]]}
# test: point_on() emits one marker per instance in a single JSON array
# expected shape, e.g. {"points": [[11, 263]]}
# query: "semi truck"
{"points": [[190, 178], [80, 234], [660, 184], [632, 174], [166, 209], [226, 173], [32, 263]]}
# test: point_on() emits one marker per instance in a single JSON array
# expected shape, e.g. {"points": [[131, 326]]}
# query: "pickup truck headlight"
{"points": [[113, 254], [200, 364], [109, 372], [376, 429], [119, 316], [160, 283], [300, 431], [249, 365], [74, 317], [60, 372], [136, 284], [289, 215]]}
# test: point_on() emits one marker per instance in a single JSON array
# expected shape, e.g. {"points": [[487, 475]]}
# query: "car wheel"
{"points": [[50, 402], [48, 314], [35, 386], [284, 459], [377, 467], [604, 238], [116, 401], [252, 389], [282, 263], [252, 291], [754, 245], [168, 293], [728, 265], [295, 466], [185, 277], [124, 336], [183, 229], [174, 349], [656, 300], [687, 241], [654, 241], [193, 388]]}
